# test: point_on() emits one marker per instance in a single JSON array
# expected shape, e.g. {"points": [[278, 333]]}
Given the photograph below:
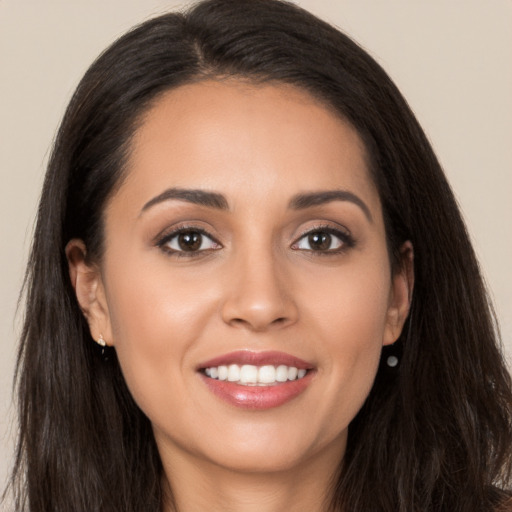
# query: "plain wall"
{"points": [[451, 59]]}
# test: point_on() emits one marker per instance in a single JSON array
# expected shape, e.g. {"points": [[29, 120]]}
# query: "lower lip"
{"points": [[257, 397]]}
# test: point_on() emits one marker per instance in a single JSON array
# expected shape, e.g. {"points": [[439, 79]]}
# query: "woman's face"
{"points": [[246, 284]]}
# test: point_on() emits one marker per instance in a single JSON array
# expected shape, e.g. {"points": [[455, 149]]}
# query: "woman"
{"points": [[251, 288]]}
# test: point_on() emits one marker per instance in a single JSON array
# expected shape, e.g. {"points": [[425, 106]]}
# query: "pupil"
{"points": [[189, 241], [320, 241]]}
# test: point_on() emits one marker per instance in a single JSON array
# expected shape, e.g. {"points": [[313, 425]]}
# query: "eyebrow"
{"points": [[308, 200], [195, 196], [219, 202]]}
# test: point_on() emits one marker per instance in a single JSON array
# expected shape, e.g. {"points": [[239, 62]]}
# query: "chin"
{"points": [[271, 451]]}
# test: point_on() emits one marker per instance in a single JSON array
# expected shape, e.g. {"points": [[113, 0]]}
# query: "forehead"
{"points": [[232, 136]]}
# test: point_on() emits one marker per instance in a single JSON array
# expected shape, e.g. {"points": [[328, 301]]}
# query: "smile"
{"points": [[257, 380], [251, 375]]}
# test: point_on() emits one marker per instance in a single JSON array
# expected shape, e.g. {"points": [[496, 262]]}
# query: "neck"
{"points": [[200, 485]]}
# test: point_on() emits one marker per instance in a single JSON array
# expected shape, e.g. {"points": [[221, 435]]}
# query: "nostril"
{"points": [[258, 308], [256, 325]]}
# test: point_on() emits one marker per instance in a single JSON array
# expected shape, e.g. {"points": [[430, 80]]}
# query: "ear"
{"points": [[90, 293], [402, 284]]}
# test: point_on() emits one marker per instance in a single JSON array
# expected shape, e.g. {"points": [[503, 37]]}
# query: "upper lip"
{"points": [[242, 357]]}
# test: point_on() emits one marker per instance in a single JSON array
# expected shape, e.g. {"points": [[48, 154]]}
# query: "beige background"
{"points": [[451, 59]]}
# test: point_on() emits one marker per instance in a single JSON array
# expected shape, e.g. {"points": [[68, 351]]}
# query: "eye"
{"points": [[188, 240], [326, 240]]}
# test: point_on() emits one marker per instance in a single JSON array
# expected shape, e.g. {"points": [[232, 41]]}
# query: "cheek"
{"points": [[351, 303], [155, 319], [350, 319]]}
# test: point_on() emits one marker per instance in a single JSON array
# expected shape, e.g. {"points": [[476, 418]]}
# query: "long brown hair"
{"points": [[435, 433]]}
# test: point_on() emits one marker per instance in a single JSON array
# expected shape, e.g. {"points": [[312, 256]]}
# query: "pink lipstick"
{"points": [[256, 380]]}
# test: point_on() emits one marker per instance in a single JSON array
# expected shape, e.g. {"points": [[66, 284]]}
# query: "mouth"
{"points": [[256, 380], [251, 375]]}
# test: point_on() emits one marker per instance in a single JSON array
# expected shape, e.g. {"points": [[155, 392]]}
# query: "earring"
{"points": [[104, 349], [392, 361]]}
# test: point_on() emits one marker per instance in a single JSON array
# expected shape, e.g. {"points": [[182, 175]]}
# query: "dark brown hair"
{"points": [[435, 434]]}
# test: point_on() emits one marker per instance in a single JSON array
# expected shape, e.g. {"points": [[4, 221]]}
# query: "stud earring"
{"points": [[104, 349], [392, 361]]}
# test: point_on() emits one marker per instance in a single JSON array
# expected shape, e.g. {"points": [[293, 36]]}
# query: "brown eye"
{"points": [[324, 240], [320, 241], [190, 241]]}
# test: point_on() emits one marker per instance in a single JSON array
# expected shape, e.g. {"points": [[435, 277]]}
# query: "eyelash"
{"points": [[345, 238], [167, 238]]}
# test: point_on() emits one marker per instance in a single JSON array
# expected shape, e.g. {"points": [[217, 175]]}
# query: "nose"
{"points": [[259, 294]]}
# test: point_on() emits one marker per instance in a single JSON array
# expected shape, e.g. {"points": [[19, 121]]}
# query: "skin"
{"points": [[259, 286]]}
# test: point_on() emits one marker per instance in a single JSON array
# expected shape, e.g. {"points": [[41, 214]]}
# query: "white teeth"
{"points": [[223, 372], [267, 374], [292, 373], [249, 374], [282, 373], [233, 373]]}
